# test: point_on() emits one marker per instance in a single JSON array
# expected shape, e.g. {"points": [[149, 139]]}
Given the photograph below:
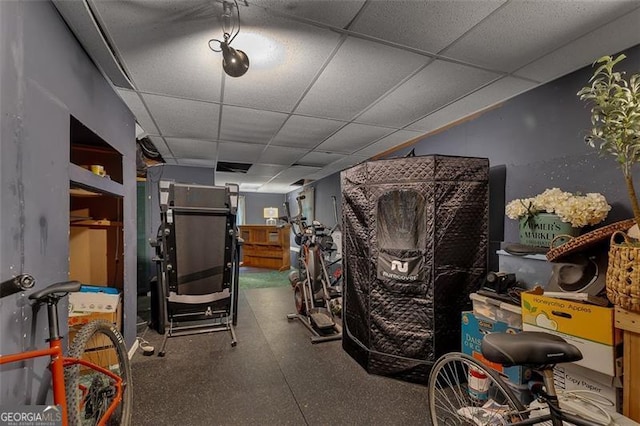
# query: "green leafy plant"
{"points": [[615, 117]]}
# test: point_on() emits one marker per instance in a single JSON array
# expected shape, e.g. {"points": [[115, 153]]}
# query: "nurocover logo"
{"points": [[402, 270], [30, 415]]}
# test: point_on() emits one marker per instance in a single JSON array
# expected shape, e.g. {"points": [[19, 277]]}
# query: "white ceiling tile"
{"points": [[240, 178], [194, 149], [499, 91], [281, 155], [359, 73], [139, 110], [275, 188], [294, 174], [284, 57], [305, 132], [320, 159], [265, 170], [426, 25], [195, 162], [184, 118], [334, 13], [435, 86], [388, 142], [606, 40], [239, 152], [249, 125], [337, 166], [164, 44], [525, 30], [352, 137]]}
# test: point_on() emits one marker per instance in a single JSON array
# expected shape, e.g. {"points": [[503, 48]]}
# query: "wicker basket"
{"points": [[623, 273]]}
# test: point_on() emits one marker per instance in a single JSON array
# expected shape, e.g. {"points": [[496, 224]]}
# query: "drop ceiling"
{"points": [[331, 83]]}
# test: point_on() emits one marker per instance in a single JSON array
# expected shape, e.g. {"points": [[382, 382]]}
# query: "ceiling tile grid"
{"points": [[332, 83], [338, 15], [319, 159], [281, 155], [525, 30], [359, 73], [163, 44], [249, 125], [239, 152], [436, 85], [183, 117], [283, 63], [353, 137], [305, 132], [388, 142], [194, 149], [429, 26], [606, 40], [139, 111], [496, 92]]}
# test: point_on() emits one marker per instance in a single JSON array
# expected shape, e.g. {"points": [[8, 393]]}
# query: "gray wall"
{"points": [[255, 203], [538, 137], [44, 78]]}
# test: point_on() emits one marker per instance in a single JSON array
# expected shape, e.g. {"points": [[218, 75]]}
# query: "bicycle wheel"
{"points": [[89, 392], [462, 391]]}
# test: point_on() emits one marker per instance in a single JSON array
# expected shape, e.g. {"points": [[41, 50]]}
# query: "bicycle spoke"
{"points": [[458, 396]]}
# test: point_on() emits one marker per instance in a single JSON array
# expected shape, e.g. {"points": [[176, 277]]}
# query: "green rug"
{"points": [[261, 279]]}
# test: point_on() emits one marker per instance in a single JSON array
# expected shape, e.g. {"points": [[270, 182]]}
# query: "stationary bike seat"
{"points": [[528, 348]]}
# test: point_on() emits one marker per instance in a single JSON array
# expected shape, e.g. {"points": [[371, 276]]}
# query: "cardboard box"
{"points": [[88, 261], [568, 377], [473, 330], [86, 307], [81, 303], [588, 327]]}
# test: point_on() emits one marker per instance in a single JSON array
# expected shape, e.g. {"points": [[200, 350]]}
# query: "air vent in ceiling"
{"points": [[229, 167]]}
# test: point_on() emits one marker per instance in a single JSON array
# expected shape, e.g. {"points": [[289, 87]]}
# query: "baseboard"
{"points": [[134, 348]]}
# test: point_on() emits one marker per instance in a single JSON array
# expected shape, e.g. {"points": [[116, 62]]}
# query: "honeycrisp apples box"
{"points": [[588, 327]]}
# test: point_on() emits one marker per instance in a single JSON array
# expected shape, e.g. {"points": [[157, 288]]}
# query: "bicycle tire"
{"points": [[453, 402], [100, 343]]}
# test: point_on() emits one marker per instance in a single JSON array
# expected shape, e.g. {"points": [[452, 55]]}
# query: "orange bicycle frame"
{"points": [[58, 362]]}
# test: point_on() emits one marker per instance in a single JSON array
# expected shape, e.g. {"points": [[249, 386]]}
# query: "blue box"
{"points": [[473, 330]]}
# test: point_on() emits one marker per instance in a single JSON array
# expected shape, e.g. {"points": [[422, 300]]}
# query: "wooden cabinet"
{"points": [[265, 246]]}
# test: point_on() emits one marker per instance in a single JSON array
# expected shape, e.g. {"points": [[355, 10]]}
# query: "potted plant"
{"points": [[555, 212], [615, 117]]}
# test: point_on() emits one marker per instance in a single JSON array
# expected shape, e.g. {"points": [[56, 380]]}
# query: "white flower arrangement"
{"points": [[576, 209]]}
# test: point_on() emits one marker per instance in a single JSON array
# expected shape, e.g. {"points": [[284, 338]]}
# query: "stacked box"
{"points": [[474, 328]]}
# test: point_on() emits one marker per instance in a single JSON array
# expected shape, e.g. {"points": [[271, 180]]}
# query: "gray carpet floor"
{"points": [[274, 376]]}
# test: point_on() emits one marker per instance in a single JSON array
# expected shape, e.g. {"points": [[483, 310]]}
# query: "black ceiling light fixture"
{"points": [[234, 62]]}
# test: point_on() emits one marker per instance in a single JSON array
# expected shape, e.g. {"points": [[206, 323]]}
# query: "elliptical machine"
{"points": [[311, 282]]}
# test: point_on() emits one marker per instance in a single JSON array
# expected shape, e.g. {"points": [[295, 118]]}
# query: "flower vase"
{"points": [[541, 228]]}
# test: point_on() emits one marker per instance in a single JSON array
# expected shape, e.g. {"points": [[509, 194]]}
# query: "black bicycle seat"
{"points": [[63, 287], [528, 348]]}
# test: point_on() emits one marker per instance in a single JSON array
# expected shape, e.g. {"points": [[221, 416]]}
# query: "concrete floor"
{"points": [[274, 376]]}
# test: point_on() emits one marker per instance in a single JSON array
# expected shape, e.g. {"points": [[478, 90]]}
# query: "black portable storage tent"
{"points": [[415, 237]]}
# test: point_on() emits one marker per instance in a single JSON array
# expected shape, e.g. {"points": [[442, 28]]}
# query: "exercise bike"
{"points": [[312, 284]]}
